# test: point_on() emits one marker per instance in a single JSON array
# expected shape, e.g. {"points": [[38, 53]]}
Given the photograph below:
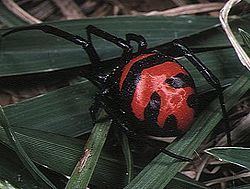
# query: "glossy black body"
{"points": [[107, 81]]}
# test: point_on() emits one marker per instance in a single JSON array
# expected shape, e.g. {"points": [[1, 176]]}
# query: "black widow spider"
{"points": [[147, 88]]}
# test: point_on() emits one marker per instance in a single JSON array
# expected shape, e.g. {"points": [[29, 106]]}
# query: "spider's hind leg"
{"points": [[210, 78], [127, 49]]}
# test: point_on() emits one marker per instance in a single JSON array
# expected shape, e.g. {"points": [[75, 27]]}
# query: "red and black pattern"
{"points": [[154, 88], [159, 92]]}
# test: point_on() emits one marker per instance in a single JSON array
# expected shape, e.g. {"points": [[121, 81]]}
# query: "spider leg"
{"points": [[94, 109], [118, 117], [211, 79], [140, 40], [103, 101], [163, 150], [167, 152], [127, 49], [124, 44], [63, 34]]}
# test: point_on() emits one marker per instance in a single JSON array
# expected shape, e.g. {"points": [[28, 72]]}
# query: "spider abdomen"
{"points": [[158, 92]]}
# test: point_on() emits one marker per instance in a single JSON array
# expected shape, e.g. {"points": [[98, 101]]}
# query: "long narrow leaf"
{"points": [[64, 111], [36, 173], [61, 154], [26, 52], [13, 170], [85, 167], [215, 36], [236, 155], [245, 37], [124, 142], [246, 186], [34, 51], [128, 156]]}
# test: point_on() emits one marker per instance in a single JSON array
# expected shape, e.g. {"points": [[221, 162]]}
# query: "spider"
{"points": [[148, 91]]}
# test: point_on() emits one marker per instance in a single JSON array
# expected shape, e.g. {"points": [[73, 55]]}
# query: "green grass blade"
{"points": [[33, 51], [36, 173], [8, 18], [128, 157], [48, 149], [246, 186], [215, 36], [61, 154], [5, 185], [162, 169], [186, 182], [236, 155], [85, 167], [245, 37], [25, 52], [13, 170], [223, 63], [64, 111], [124, 142]]}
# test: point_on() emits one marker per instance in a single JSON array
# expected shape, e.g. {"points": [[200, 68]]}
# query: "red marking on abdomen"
{"points": [[173, 100], [128, 66]]}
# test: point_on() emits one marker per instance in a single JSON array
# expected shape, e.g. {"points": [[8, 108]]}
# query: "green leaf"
{"points": [[35, 172], [51, 150], [64, 111], [181, 181], [61, 154], [85, 167], [48, 149], [245, 37], [6, 185], [223, 63], [124, 142], [8, 18], [13, 170], [236, 155], [215, 36], [162, 169], [246, 186], [33, 51]]}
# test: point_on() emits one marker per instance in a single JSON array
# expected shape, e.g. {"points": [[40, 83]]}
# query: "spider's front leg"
{"points": [[124, 44], [139, 39], [127, 49], [86, 45]]}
